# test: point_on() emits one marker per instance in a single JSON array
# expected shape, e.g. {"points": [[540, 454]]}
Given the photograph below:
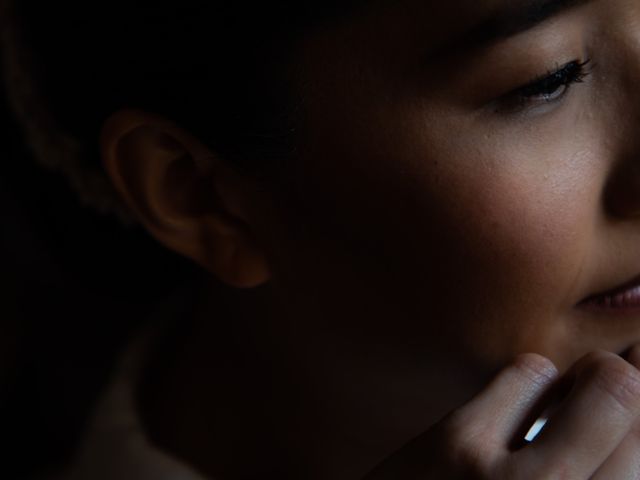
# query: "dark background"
{"points": [[74, 286]]}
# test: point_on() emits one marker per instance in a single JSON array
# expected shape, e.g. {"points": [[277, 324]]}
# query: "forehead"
{"points": [[431, 32], [480, 21]]}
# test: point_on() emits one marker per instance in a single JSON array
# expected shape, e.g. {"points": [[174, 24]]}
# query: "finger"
{"points": [[511, 401], [624, 462], [476, 436], [590, 424]]}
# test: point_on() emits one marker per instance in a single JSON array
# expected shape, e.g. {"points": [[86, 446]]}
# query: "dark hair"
{"points": [[221, 69]]}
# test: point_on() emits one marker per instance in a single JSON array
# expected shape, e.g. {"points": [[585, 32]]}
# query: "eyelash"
{"points": [[549, 87]]}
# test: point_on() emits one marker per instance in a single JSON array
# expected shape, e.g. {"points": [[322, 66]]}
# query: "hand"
{"points": [[593, 434]]}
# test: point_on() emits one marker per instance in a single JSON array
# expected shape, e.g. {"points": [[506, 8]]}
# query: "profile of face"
{"points": [[467, 188]]}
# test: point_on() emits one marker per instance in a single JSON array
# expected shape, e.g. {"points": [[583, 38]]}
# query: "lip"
{"points": [[623, 298]]}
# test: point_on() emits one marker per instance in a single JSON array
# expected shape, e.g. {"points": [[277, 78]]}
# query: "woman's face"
{"points": [[470, 174]]}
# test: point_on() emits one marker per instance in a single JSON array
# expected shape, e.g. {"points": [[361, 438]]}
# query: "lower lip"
{"points": [[622, 302]]}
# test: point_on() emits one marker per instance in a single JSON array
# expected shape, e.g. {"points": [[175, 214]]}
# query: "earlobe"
{"points": [[176, 187]]}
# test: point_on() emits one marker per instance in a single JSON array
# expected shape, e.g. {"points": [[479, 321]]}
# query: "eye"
{"points": [[549, 87]]}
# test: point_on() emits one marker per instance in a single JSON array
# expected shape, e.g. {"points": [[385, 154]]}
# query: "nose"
{"points": [[622, 152], [622, 193], [622, 190]]}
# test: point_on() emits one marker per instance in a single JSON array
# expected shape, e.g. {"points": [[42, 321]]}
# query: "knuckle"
{"points": [[535, 368], [634, 433], [618, 379], [467, 446], [559, 469]]}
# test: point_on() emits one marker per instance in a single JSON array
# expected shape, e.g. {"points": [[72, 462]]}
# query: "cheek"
{"points": [[474, 242], [479, 248], [521, 219], [521, 225]]}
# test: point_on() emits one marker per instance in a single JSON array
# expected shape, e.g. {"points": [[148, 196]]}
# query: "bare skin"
{"points": [[477, 440], [453, 206]]}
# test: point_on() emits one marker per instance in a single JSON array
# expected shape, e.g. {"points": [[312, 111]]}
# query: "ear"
{"points": [[184, 196]]}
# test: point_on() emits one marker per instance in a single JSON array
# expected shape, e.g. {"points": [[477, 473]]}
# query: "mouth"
{"points": [[625, 298]]}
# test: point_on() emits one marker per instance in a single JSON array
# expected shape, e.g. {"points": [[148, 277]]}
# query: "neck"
{"points": [[214, 395], [240, 399]]}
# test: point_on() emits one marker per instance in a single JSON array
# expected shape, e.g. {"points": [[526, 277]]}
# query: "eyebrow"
{"points": [[520, 16], [516, 17]]}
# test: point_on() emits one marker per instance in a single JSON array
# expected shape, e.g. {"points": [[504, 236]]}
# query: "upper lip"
{"points": [[634, 282]]}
